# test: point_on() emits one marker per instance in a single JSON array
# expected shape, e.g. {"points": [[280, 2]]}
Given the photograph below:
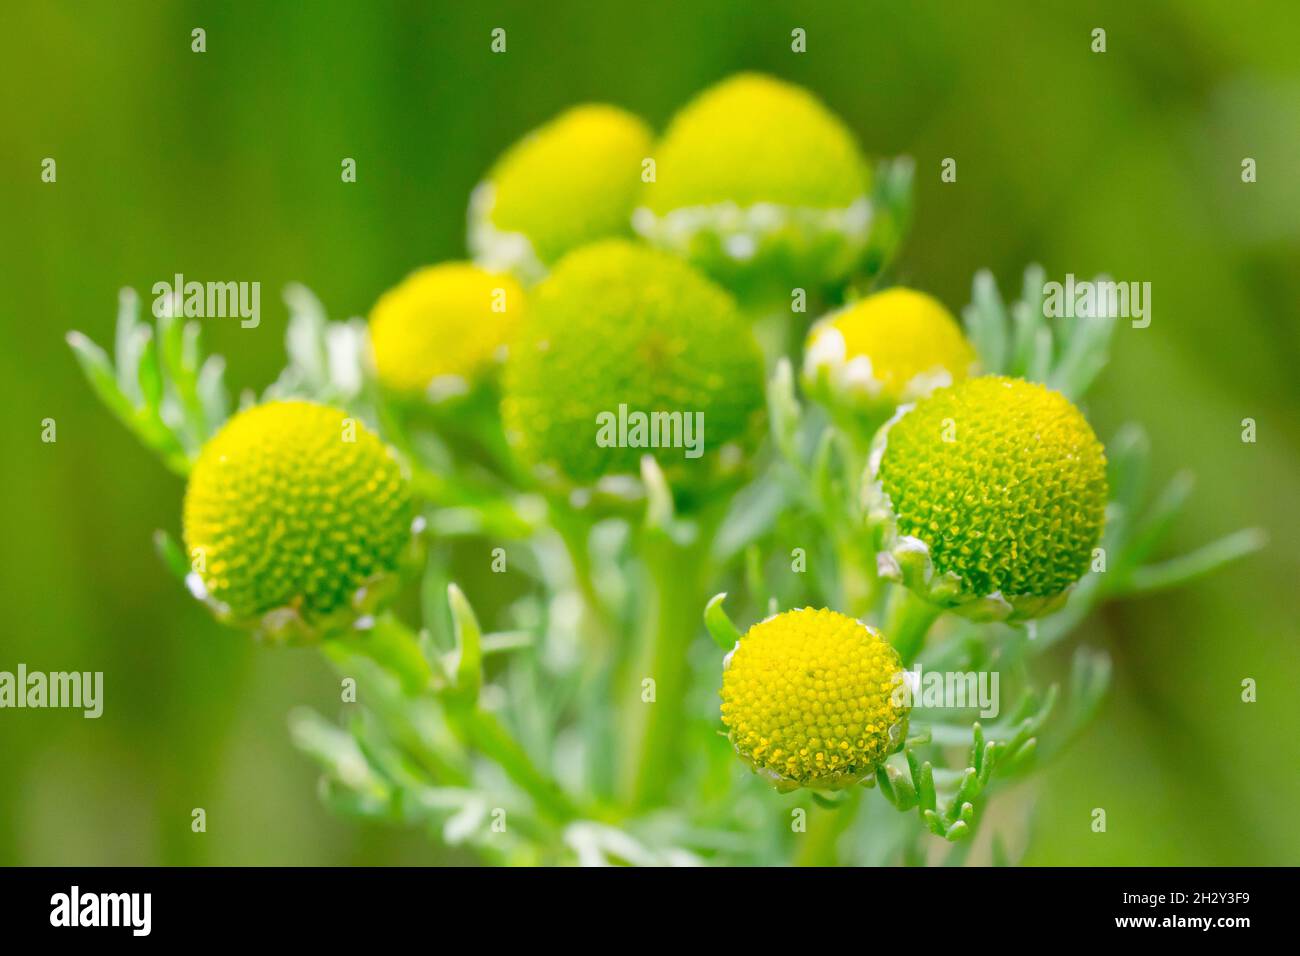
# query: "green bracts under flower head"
{"points": [[760, 185]]}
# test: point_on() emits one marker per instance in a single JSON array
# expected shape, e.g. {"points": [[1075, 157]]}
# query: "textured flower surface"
{"points": [[756, 175], [891, 347], [808, 698], [620, 325], [1001, 482], [570, 182], [443, 328], [293, 507]]}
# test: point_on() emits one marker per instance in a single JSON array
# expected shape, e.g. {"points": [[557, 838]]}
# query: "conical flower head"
{"points": [[443, 329], [627, 352], [884, 350], [759, 184], [813, 698], [294, 514], [989, 496], [572, 181]]}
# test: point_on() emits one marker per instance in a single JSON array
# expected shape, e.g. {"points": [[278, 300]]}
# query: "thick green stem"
{"points": [[674, 620], [574, 530], [857, 575], [819, 846], [908, 621]]}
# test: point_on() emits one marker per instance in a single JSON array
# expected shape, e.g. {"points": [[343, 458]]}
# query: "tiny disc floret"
{"points": [[294, 514], [989, 496], [811, 698]]}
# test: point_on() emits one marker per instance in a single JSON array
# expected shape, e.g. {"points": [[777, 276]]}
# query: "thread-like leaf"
{"points": [[724, 633]]}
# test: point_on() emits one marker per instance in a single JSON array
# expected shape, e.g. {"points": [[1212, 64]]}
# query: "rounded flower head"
{"points": [[570, 182], [627, 352], [988, 497], [761, 185], [889, 348], [810, 699], [293, 514], [443, 329]]}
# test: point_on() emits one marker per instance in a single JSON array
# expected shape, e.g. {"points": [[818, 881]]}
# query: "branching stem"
{"points": [[908, 621]]}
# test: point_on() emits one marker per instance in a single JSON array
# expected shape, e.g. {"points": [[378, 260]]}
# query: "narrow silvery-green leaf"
{"points": [[212, 391], [1127, 457], [171, 554], [724, 633], [127, 344], [99, 373], [191, 347], [784, 410], [752, 513], [659, 497], [1204, 560], [986, 322], [1040, 363], [1158, 519], [500, 642], [1086, 352], [1025, 323], [305, 337], [180, 364], [334, 749], [1032, 288], [891, 202], [958, 831], [469, 649], [828, 495], [756, 574], [150, 373]]}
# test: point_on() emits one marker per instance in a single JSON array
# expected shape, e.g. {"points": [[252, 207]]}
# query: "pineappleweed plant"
{"points": [[926, 493]]}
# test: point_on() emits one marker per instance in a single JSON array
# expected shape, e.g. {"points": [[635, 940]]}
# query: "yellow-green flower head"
{"points": [[811, 699], [626, 352], [570, 182], [443, 329], [889, 348], [294, 516], [989, 497], [757, 182]]}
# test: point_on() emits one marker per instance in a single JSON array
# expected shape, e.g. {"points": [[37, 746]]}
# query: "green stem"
{"points": [[490, 736], [907, 622], [574, 530], [826, 825], [857, 575], [656, 727], [393, 645]]}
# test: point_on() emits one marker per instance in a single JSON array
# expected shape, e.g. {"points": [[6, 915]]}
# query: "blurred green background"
{"points": [[225, 165]]}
